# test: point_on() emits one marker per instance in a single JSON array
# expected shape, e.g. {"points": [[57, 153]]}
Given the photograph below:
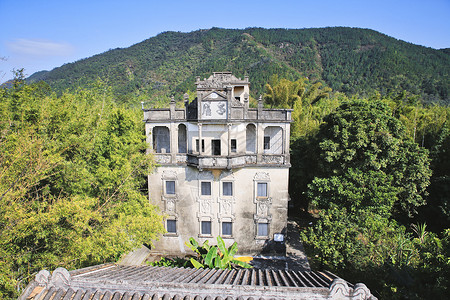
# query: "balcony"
{"points": [[222, 162]]}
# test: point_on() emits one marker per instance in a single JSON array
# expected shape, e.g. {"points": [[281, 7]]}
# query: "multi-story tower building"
{"points": [[222, 167]]}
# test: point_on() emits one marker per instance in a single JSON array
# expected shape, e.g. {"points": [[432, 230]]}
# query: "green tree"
{"points": [[310, 102], [71, 170], [364, 138], [371, 176]]}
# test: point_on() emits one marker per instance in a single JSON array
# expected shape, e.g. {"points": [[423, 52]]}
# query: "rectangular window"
{"points": [[215, 147], [197, 147], [227, 189], [206, 188], [206, 227], [233, 145], [266, 142], [263, 229], [171, 226], [170, 187], [227, 228], [262, 189]]}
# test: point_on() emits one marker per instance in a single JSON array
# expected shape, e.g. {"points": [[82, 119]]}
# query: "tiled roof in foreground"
{"points": [[111, 281]]}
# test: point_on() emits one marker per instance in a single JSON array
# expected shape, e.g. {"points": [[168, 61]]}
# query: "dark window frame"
{"points": [[262, 229], [226, 189], [233, 145], [227, 225], [197, 145], [216, 147], [206, 227], [204, 189], [168, 191], [266, 190], [171, 226]]}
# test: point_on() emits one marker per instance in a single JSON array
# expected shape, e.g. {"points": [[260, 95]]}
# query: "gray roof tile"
{"points": [[117, 282]]}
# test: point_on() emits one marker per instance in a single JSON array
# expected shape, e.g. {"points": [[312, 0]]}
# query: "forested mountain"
{"points": [[349, 60]]}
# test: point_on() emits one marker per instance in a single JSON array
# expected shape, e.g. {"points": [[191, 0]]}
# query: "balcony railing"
{"points": [[221, 162]]}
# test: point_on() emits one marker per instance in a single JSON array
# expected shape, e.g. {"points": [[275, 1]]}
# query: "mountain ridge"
{"points": [[349, 60]]}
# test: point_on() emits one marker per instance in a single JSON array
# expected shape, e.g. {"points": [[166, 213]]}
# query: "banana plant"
{"points": [[215, 257]]}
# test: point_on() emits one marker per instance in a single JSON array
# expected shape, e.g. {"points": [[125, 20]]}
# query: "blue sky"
{"points": [[41, 35]]}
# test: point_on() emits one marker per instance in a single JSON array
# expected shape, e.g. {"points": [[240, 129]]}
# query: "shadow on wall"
{"points": [[274, 248]]}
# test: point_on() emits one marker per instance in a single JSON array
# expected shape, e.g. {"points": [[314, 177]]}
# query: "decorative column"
{"points": [[149, 138], [200, 138], [173, 141], [229, 100], [229, 139], [246, 102], [287, 158], [259, 142], [172, 106], [260, 108]]}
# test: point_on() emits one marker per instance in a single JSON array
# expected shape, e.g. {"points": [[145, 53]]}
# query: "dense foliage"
{"points": [[362, 168], [215, 257], [207, 256], [349, 60], [71, 170]]}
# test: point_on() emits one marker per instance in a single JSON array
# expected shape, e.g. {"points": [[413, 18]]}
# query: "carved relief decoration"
{"points": [[217, 81], [273, 159], [263, 176], [163, 158], [263, 207], [205, 206], [214, 109], [226, 207], [250, 159], [170, 206]]}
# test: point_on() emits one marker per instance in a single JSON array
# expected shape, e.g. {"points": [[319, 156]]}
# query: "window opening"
{"points": [[161, 139], [233, 145], [227, 188], [263, 229], [250, 136], [182, 147], [215, 147], [206, 188], [262, 189], [227, 228], [206, 227], [171, 226], [170, 187], [197, 147]]}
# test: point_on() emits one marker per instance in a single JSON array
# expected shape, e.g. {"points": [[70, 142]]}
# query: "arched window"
{"points": [[250, 136], [182, 146], [161, 139], [273, 140]]}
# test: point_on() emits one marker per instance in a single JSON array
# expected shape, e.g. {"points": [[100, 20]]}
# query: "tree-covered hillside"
{"points": [[350, 60]]}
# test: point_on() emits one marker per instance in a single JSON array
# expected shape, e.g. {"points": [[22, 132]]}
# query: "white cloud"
{"points": [[40, 47]]}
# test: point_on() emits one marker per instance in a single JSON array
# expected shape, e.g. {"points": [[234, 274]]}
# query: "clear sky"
{"points": [[43, 34]]}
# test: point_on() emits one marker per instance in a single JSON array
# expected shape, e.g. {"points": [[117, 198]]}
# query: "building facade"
{"points": [[222, 169]]}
